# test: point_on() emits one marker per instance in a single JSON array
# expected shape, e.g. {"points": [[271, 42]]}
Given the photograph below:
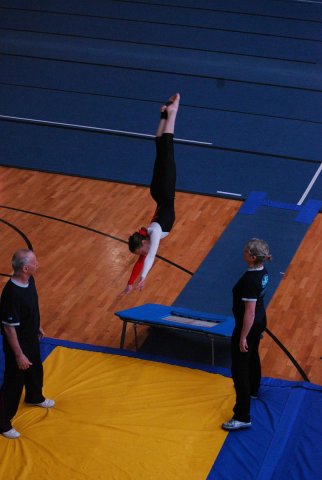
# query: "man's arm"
{"points": [[11, 335]]}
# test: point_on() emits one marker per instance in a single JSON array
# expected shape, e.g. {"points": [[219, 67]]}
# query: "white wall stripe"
{"points": [[94, 129]]}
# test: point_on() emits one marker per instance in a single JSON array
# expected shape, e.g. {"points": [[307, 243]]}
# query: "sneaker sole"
{"points": [[241, 427]]}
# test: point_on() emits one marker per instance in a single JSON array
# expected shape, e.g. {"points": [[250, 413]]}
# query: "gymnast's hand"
{"points": [[127, 290], [140, 285]]}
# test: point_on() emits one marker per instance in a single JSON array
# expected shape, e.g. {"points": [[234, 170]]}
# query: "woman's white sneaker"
{"points": [[235, 425], [47, 403], [12, 433]]}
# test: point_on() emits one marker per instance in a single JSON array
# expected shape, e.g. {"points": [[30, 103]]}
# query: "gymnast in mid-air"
{"points": [[145, 242]]}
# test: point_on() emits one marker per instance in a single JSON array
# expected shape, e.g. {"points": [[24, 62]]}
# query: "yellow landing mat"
{"points": [[119, 418]]}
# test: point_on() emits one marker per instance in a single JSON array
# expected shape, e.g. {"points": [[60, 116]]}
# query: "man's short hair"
{"points": [[20, 259]]}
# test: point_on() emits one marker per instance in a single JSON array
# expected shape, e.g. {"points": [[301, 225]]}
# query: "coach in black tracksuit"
{"points": [[20, 326], [250, 322]]}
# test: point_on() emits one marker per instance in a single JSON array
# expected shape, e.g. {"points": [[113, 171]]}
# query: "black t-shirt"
{"points": [[19, 308], [250, 287]]}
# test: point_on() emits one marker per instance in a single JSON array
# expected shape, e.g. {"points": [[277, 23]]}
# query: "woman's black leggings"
{"points": [[163, 182], [246, 369]]}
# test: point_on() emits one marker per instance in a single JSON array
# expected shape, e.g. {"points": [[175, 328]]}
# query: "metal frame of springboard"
{"points": [[211, 336], [191, 321]]}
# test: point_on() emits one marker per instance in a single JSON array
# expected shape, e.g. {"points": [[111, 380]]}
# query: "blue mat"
{"points": [[284, 441], [212, 283]]}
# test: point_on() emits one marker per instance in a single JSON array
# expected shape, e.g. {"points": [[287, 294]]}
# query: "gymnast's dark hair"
{"points": [[135, 240]]}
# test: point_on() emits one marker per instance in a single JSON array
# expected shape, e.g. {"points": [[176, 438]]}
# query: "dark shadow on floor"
{"points": [[186, 346]]}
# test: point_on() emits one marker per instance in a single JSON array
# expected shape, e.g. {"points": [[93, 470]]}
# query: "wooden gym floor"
{"points": [[79, 227]]}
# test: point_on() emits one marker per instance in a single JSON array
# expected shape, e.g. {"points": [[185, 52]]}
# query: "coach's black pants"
{"points": [[14, 381]]}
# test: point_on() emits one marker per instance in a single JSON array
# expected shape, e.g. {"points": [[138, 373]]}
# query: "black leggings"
{"points": [[163, 182], [246, 370]]}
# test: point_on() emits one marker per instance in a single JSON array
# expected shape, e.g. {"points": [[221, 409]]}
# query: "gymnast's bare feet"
{"points": [[171, 108], [168, 115], [173, 103]]}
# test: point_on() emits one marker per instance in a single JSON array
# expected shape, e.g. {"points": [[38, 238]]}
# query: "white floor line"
{"points": [[95, 129], [310, 185], [229, 193]]}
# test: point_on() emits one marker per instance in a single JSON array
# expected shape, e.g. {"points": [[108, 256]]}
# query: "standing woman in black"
{"points": [[250, 322]]}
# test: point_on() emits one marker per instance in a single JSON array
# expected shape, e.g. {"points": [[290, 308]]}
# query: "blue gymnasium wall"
{"points": [[248, 72]]}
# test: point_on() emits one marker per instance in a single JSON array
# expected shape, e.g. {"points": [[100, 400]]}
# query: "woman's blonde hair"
{"points": [[259, 249]]}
